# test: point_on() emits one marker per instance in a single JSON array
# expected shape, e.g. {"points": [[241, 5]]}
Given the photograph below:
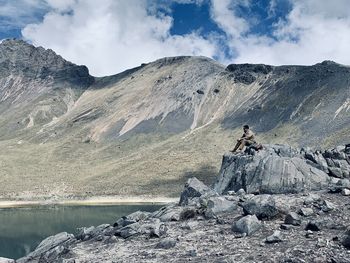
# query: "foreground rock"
{"points": [[247, 225], [50, 248], [305, 226]]}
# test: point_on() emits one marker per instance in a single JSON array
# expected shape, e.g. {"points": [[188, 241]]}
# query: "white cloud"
{"points": [[314, 30], [112, 35], [14, 14]]}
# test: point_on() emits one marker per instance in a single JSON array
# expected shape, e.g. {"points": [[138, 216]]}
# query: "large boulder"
{"points": [[277, 169], [50, 248], [194, 189]]}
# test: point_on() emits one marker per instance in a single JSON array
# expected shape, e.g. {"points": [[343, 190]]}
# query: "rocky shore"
{"points": [[276, 205]]}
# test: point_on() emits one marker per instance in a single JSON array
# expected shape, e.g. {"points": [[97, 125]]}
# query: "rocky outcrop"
{"points": [[204, 225], [50, 249], [281, 169], [335, 162]]}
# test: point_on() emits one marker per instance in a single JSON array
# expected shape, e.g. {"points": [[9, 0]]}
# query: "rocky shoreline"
{"points": [[276, 205]]}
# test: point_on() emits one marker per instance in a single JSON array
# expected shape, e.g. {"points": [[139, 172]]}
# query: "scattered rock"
{"points": [[346, 239], [345, 192], [86, 233], [263, 206], [327, 206], [169, 213], [247, 225], [311, 198], [274, 238], [190, 225], [286, 227], [292, 218], [194, 188], [306, 211], [192, 253], [241, 192], [309, 233], [220, 204], [313, 226], [166, 243]]}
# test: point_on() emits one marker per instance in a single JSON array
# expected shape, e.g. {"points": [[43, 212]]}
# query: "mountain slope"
{"points": [[146, 130]]}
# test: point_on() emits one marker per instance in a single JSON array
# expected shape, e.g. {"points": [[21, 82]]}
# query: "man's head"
{"points": [[245, 128]]}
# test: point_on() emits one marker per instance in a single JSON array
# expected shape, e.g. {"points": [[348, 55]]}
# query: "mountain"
{"points": [[146, 130]]}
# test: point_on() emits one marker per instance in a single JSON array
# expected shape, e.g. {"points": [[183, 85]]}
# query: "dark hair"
{"points": [[246, 126]]}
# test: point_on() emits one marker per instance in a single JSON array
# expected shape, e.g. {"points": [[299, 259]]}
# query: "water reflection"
{"points": [[22, 229]]}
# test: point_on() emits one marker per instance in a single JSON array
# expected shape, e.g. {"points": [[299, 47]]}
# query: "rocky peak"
{"points": [[18, 57]]}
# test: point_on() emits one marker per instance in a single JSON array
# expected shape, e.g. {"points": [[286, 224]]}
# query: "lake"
{"points": [[22, 229]]}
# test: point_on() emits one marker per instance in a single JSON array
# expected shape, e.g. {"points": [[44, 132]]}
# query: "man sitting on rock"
{"points": [[247, 139]]}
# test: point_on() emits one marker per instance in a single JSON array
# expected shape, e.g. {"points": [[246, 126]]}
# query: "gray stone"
{"points": [[274, 238], [241, 192], [275, 169], [286, 227], [306, 211], [194, 188], [292, 218], [336, 172], [345, 192], [152, 228], [166, 243], [311, 198], [309, 233], [129, 230], [327, 206], [220, 204], [50, 248], [313, 226], [263, 206], [175, 213], [86, 233], [247, 225]]}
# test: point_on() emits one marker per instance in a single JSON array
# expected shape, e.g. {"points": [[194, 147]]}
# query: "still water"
{"points": [[22, 229]]}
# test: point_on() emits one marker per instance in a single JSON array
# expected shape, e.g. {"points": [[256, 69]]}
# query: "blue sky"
{"points": [[112, 35]]}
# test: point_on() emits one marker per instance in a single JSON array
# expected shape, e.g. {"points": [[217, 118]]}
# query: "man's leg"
{"points": [[236, 147], [241, 145]]}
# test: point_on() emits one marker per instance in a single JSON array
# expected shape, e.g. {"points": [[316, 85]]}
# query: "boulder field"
{"points": [[276, 205]]}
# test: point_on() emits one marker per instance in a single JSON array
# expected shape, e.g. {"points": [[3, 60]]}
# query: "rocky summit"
{"points": [[251, 214], [146, 130]]}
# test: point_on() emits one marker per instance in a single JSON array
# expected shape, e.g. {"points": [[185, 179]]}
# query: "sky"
{"points": [[110, 36]]}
